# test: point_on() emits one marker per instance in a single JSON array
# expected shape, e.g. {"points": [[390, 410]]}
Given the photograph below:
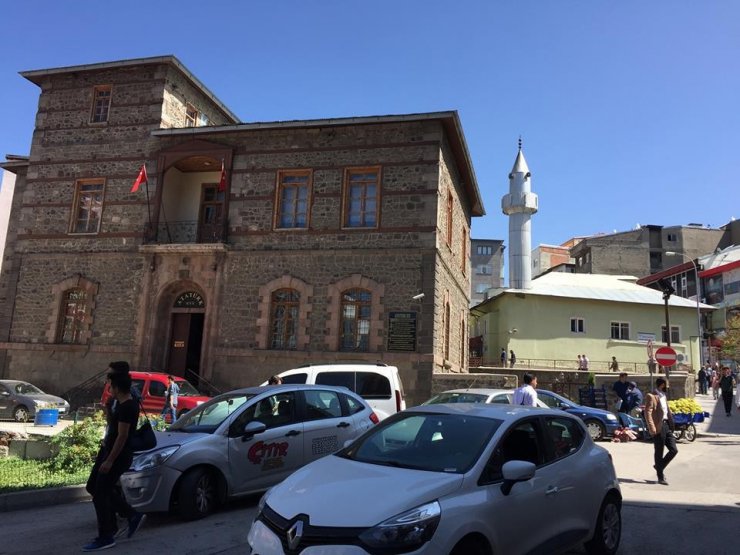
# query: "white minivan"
{"points": [[377, 383]]}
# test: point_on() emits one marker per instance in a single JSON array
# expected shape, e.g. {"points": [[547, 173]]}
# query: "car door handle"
{"points": [[292, 433], [343, 425], [552, 490]]}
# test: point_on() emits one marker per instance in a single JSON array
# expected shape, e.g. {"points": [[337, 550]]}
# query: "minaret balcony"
{"points": [[519, 203]]}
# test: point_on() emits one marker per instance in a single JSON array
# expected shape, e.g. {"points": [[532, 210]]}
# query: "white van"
{"points": [[377, 383]]}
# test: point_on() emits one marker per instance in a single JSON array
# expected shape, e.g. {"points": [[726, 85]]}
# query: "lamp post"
{"points": [[698, 298]]}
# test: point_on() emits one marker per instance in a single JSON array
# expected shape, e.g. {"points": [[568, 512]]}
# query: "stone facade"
{"points": [[135, 267]]}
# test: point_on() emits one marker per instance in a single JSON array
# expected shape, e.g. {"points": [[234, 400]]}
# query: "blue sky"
{"points": [[629, 110]]}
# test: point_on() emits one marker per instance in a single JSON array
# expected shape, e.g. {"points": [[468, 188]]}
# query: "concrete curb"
{"points": [[19, 500]]}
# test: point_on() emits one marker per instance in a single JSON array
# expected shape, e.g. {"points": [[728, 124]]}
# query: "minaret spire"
{"points": [[519, 204]]}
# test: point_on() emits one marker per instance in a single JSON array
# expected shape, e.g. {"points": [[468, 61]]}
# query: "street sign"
{"points": [[666, 356]]}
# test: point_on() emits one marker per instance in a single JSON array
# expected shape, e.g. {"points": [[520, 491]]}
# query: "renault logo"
{"points": [[294, 535]]}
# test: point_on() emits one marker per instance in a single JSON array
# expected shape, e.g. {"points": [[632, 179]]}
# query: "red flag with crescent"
{"points": [[222, 181], [142, 178]]}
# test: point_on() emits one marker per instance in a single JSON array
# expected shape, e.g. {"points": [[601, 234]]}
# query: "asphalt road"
{"points": [[697, 513]]}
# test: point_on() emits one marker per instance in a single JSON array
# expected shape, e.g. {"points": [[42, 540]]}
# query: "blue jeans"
{"points": [[172, 411]]}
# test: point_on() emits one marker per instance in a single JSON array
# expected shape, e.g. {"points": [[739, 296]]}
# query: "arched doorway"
{"points": [[187, 316]]}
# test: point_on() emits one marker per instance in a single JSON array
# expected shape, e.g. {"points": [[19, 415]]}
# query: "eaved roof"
{"points": [[36, 75], [598, 287]]}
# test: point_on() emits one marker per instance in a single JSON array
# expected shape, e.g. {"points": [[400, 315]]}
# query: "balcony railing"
{"points": [[186, 231]]}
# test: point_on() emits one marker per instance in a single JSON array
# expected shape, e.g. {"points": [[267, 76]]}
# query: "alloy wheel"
{"points": [[21, 414], [205, 493], [611, 526]]}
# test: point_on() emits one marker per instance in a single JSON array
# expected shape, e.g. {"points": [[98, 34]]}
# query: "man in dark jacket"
{"points": [[726, 383], [702, 381]]}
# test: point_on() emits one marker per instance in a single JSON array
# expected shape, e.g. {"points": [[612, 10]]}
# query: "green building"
{"points": [[565, 315]]}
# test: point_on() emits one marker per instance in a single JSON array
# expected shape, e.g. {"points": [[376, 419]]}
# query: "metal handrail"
{"points": [[599, 366], [187, 231]]}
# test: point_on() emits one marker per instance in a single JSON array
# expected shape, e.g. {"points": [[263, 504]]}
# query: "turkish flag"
{"points": [[142, 178], [222, 181]]}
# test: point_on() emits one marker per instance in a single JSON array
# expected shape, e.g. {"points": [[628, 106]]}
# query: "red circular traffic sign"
{"points": [[665, 356]]}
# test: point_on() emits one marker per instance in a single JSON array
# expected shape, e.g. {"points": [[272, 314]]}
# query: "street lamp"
{"points": [[698, 298]]}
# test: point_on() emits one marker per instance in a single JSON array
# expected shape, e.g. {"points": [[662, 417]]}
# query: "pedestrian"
{"points": [[527, 393], [726, 383], [614, 366], [715, 384], [275, 380], [634, 397], [503, 357], [117, 457], [512, 359], [659, 421], [702, 375], [170, 399], [584, 359], [620, 388], [580, 363]]}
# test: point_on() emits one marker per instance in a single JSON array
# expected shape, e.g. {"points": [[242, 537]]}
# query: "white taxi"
{"points": [[242, 442]]}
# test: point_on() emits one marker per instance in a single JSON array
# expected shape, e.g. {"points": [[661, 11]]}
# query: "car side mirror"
{"points": [[252, 429], [516, 471]]}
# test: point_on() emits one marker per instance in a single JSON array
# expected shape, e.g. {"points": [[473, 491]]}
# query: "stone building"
{"points": [[642, 251], [252, 248]]}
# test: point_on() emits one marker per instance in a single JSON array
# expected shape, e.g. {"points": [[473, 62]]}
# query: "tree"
{"points": [[731, 340]]}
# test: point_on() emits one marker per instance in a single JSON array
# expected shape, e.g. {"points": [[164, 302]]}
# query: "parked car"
{"points": [[242, 442], [600, 423], [152, 387], [379, 384], [478, 395], [20, 400], [459, 479]]}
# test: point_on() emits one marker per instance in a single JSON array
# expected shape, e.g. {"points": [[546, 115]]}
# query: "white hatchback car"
{"points": [[457, 479]]}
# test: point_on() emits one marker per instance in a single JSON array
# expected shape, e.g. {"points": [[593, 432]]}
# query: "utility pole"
{"points": [[668, 290]]}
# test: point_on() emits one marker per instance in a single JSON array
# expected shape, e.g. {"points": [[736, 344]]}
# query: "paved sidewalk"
{"points": [[31, 429]]}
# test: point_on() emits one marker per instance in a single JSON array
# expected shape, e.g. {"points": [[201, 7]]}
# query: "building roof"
{"points": [[36, 76], [449, 119], [597, 287]]}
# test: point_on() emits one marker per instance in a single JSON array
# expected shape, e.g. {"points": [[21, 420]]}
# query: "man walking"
{"points": [[170, 399], [726, 383], [503, 357], [512, 359], [659, 419], [585, 361], [614, 366], [702, 381], [115, 460], [526, 394]]}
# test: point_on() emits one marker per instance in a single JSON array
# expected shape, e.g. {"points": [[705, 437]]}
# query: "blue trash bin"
{"points": [[46, 417]]}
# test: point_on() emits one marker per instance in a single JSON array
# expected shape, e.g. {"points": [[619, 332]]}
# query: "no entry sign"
{"points": [[665, 356]]}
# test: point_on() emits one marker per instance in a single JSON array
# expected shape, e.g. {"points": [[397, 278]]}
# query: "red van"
{"points": [[152, 387]]}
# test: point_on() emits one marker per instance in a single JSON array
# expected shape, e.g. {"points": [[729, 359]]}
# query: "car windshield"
{"points": [[425, 441], [24, 388], [457, 397], [187, 389], [553, 400], [207, 417]]}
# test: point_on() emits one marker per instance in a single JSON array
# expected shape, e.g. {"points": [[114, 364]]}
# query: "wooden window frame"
{"points": [[79, 323], [359, 305], [76, 205], [450, 209], [347, 197], [191, 121], [285, 338], [279, 188], [93, 108]]}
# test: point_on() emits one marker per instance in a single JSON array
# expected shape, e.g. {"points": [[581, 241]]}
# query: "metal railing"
{"points": [[187, 231], [598, 366]]}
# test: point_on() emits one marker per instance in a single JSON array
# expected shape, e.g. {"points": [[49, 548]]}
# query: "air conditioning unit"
{"points": [[680, 357]]}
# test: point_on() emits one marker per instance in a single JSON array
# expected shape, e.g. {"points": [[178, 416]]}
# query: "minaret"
{"points": [[519, 205]]}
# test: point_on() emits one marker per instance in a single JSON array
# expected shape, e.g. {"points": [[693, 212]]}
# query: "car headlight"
{"points": [[610, 416], [37, 403], [407, 531], [153, 458]]}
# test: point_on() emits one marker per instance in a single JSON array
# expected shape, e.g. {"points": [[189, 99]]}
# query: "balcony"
{"points": [[187, 231]]}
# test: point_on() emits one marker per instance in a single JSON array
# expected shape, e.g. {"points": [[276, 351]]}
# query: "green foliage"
{"points": [[731, 340], [17, 474], [158, 423], [75, 447], [591, 379]]}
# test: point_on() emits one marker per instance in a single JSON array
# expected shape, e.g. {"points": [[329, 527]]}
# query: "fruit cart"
{"points": [[684, 424]]}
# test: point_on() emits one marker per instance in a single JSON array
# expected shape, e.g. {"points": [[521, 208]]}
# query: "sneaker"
{"points": [[663, 481], [134, 523], [98, 544], [120, 532]]}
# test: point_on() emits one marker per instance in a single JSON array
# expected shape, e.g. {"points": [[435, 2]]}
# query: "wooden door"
{"points": [[179, 343]]}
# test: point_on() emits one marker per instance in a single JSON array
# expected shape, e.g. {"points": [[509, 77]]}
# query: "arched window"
{"points": [[72, 314], [284, 318], [355, 320]]}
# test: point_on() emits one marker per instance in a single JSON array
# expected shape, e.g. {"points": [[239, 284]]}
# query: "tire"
{"points": [[197, 494], [608, 528], [20, 414], [690, 432], [596, 429], [470, 545]]}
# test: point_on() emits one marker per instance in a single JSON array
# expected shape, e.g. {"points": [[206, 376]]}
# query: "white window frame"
{"points": [[576, 320], [619, 332], [673, 328]]}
